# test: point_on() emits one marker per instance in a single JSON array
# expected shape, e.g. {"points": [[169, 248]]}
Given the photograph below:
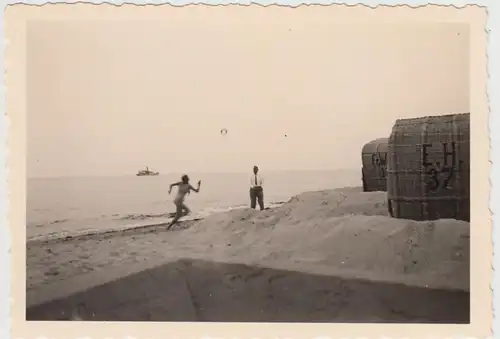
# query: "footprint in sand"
{"points": [[87, 268], [53, 271]]}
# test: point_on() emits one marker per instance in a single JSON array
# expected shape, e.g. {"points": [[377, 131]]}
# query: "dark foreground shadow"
{"points": [[205, 291]]}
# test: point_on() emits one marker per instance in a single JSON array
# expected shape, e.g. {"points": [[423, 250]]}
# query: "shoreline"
{"points": [[182, 224], [105, 234], [150, 227], [134, 227]]}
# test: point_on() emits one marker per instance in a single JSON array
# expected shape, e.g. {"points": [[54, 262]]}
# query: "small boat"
{"points": [[146, 172]]}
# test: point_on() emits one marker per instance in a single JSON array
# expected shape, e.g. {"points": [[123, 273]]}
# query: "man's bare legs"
{"points": [[180, 208], [178, 215]]}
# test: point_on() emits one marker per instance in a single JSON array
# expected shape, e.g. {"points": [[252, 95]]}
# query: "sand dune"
{"points": [[340, 232], [344, 233]]}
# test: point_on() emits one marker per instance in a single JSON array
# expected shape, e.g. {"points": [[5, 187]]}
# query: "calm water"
{"points": [[57, 207]]}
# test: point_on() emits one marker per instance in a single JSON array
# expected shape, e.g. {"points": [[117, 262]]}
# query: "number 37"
{"points": [[435, 181]]}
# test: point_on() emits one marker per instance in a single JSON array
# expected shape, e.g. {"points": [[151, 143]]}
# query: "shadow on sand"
{"points": [[190, 290]]}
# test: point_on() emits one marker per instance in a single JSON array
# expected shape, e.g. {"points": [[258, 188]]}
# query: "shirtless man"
{"points": [[183, 188]]}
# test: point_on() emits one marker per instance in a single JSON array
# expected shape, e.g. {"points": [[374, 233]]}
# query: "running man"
{"points": [[183, 188]]}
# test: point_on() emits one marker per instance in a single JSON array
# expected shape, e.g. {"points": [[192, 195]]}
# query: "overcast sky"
{"points": [[109, 97]]}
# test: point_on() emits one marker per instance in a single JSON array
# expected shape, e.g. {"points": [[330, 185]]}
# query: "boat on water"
{"points": [[146, 172]]}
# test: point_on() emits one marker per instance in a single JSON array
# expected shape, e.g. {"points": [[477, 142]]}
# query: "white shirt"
{"points": [[253, 179]]}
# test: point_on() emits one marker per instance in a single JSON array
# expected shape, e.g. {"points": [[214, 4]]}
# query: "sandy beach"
{"points": [[344, 238]]}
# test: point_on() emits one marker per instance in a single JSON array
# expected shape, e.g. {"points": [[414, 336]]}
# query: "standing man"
{"points": [[256, 190]]}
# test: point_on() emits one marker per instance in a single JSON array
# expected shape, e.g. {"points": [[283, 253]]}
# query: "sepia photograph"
{"points": [[243, 170]]}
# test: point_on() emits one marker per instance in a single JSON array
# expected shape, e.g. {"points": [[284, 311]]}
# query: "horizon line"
{"points": [[180, 173]]}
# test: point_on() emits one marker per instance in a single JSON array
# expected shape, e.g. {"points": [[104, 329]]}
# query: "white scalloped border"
{"points": [[492, 53]]}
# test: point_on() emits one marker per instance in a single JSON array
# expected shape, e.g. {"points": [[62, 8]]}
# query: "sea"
{"points": [[70, 206]]}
